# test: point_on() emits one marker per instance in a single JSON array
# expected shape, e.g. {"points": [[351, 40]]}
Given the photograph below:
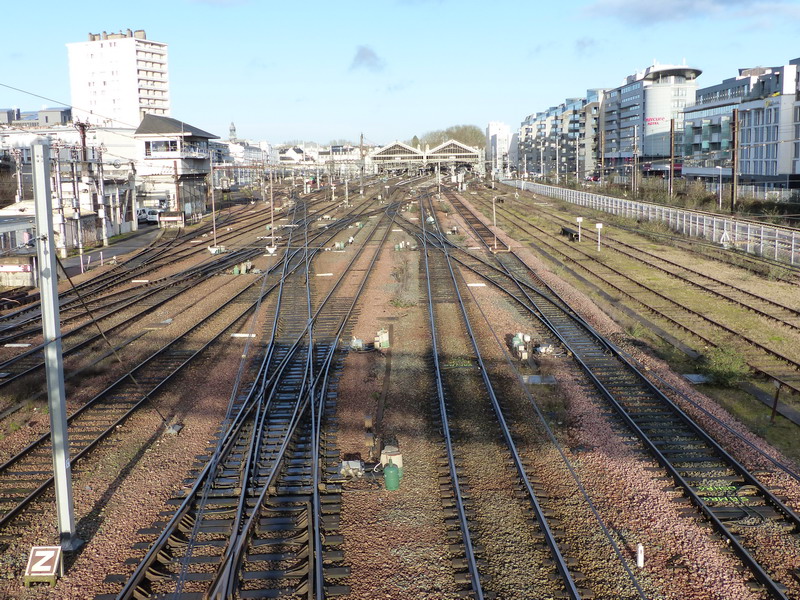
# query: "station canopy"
{"points": [[451, 154]]}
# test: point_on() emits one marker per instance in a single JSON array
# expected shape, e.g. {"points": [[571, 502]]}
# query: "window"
{"points": [[160, 146]]}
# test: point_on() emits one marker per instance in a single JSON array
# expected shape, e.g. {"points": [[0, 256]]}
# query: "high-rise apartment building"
{"points": [[562, 141], [117, 78]]}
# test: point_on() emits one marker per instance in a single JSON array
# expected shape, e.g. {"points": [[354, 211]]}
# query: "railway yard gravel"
{"points": [[396, 543]]}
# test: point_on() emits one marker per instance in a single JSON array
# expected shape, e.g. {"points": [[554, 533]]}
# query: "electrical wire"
{"points": [[105, 339]]}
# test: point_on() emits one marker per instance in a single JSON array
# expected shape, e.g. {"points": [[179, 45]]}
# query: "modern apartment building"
{"points": [[118, 78], [637, 117], [562, 141], [768, 103]]}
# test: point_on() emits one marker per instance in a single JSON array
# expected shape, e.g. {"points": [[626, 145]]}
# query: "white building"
{"points": [[562, 142], [117, 78], [637, 116], [768, 128], [501, 148]]}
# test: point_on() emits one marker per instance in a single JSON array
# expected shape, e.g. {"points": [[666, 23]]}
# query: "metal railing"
{"points": [[781, 244]]}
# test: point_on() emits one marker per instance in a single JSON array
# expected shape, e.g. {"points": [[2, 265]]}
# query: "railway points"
{"points": [[506, 485]]}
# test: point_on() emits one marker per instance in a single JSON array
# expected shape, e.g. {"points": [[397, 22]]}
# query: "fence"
{"points": [[781, 244]]}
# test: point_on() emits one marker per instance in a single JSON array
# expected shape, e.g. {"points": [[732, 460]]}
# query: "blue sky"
{"points": [[392, 69]]}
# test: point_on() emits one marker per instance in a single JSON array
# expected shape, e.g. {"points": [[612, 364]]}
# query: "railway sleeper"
{"points": [[735, 513], [451, 512], [464, 578], [458, 549], [460, 562], [296, 572], [290, 538]]}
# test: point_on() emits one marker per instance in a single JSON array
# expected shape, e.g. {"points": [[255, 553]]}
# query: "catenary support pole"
{"points": [[54, 368]]}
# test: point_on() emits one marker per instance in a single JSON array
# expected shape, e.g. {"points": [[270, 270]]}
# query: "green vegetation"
{"points": [[637, 330], [725, 366], [471, 135], [400, 303], [756, 417]]}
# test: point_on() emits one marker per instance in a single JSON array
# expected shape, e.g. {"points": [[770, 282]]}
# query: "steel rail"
{"points": [[609, 349], [560, 562], [472, 562]]}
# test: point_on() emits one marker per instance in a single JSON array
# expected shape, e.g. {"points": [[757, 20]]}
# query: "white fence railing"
{"points": [[781, 244]]}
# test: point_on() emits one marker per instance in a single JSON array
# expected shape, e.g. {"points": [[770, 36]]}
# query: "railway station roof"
{"points": [[451, 150], [156, 125]]}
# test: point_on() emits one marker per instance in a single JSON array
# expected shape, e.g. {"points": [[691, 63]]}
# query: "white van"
{"points": [[152, 214]]}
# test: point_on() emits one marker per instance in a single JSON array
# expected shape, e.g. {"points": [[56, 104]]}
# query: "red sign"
{"points": [[44, 564]]}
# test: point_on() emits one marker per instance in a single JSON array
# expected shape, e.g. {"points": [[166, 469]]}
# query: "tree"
{"points": [[414, 142], [471, 135]]}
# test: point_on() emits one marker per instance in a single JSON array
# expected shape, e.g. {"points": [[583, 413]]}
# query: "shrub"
{"points": [[725, 366]]}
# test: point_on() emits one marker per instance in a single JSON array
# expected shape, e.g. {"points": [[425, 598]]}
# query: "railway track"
{"points": [[459, 409], [24, 477], [238, 233], [727, 495], [260, 519], [763, 358]]}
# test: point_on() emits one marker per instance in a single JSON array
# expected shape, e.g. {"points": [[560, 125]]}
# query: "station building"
{"points": [[450, 156]]}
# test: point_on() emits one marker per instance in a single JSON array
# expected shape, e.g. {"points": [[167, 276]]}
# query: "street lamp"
{"points": [[494, 217], [719, 187], [579, 220], [599, 227]]}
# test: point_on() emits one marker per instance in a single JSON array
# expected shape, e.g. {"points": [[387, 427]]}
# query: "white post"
{"points": [[599, 227], [494, 221], [213, 204], [579, 220], [54, 368], [640, 556]]}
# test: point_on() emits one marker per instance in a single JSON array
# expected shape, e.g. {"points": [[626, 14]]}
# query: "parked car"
{"points": [[141, 215], [152, 214]]}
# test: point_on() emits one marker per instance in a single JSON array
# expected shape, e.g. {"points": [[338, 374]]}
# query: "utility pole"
{"points": [[82, 127], [54, 368], [177, 185], [271, 211], [671, 154], [76, 209], [132, 190], [558, 163], [62, 226], [102, 211], [363, 159], [735, 161], [541, 157], [18, 163], [602, 157], [635, 170]]}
